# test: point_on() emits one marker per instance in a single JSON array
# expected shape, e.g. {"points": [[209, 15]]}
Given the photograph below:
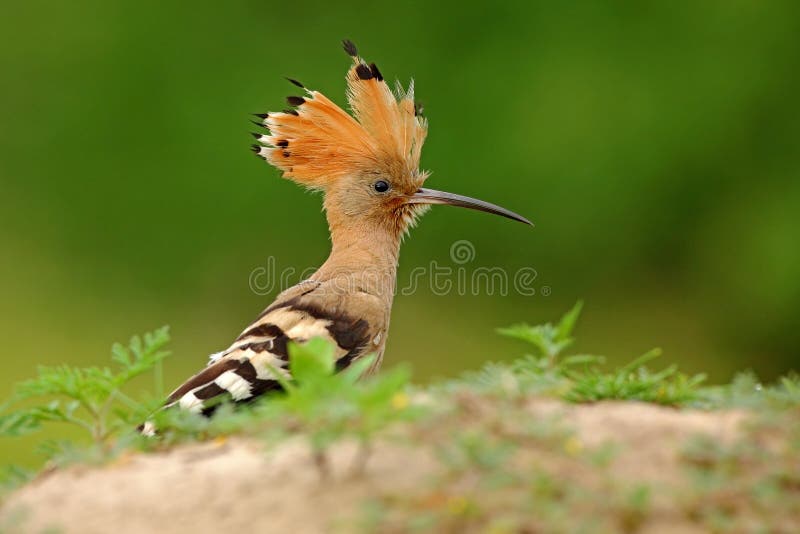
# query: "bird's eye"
{"points": [[381, 186]]}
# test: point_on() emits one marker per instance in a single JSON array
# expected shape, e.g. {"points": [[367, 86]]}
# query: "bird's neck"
{"points": [[364, 256]]}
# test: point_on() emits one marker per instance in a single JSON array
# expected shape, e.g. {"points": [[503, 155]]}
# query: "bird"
{"points": [[366, 164]]}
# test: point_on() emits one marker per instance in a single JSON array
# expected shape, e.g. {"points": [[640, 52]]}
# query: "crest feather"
{"points": [[319, 142]]}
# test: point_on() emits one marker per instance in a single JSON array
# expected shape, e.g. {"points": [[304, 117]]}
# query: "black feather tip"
{"points": [[255, 148], [256, 135], [261, 115], [373, 68], [291, 112], [283, 143], [261, 124], [350, 48], [295, 82], [295, 100], [364, 72]]}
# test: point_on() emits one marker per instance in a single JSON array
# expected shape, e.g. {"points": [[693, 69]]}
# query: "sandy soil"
{"points": [[236, 486]]}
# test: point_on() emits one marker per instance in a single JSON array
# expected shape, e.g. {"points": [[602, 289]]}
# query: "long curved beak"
{"points": [[432, 196]]}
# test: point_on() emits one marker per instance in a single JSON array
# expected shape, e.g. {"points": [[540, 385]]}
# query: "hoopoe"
{"points": [[367, 166]]}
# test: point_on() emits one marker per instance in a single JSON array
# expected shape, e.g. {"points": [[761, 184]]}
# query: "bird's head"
{"points": [[367, 164]]}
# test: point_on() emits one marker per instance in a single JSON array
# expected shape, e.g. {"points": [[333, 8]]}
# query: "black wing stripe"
{"points": [[262, 386], [207, 375], [345, 330], [347, 359], [209, 391], [262, 330], [203, 383], [353, 337], [261, 346], [257, 385], [350, 334], [275, 346], [280, 347]]}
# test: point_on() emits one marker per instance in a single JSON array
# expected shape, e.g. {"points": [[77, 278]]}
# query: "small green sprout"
{"points": [[91, 398], [548, 339], [579, 378], [329, 406], [635, 382], [747, 391]]}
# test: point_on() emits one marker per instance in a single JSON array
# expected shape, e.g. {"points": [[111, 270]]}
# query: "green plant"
{"points": [[635, 381], [542, 372], [318, 401], [328, 406], [548, 340], [91, 398], [579, 377], [747, 391]]}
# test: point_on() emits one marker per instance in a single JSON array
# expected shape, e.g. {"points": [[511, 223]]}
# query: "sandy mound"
{"points": [[237, 486]]}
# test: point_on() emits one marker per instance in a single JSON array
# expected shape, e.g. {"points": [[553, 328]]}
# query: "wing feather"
{"points": [[245, 370]]}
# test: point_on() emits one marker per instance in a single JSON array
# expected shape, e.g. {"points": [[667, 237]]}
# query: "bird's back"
{"points": [[353, 320]]}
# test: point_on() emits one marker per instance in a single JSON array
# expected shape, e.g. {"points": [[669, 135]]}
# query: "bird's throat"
{"points": [[363, 257]]}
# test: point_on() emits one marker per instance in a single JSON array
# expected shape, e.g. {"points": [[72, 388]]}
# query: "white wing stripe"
{"points": [[238, 387]]}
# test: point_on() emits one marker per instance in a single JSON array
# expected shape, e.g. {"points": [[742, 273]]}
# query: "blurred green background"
{"points": [[656, 145]]}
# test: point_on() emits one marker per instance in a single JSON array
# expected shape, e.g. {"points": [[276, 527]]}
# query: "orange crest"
{"points": [[318, 142]]}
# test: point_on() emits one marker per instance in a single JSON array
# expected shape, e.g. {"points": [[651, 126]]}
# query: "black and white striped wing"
{"points": [[244, 370]]}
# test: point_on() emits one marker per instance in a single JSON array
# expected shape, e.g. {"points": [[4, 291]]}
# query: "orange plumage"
{"points": [[319, 142]]}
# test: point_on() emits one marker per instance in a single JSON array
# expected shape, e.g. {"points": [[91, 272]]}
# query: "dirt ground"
{"points": [[236, 486]]}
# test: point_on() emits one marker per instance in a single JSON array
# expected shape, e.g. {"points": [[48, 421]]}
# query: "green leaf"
{"points": [[18, 424], [567, 322], [146, 355], [120, 354], [582, 359], [652, 354], [521, 331], [380, 389], [312, 360], [548, 339], [89, 397], [355, 370]]}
